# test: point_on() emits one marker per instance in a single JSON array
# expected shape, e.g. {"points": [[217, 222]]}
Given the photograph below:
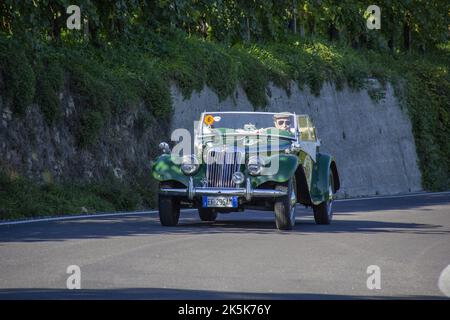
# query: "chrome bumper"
{"points": [[247, 192]]}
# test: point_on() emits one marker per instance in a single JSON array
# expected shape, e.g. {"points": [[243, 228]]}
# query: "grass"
{"points": [[119, 75], [22, 198]]}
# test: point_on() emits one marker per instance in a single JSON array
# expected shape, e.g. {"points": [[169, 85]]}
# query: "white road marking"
{"points": [[395, 197], [83, 216], [100, 215]]}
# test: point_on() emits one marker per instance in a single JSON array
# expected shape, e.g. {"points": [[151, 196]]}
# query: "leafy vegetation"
{"points": [[22, 198], [130, 51], [406, 24]]}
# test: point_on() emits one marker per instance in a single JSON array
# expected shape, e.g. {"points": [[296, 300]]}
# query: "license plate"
{"points": [[220, 202]]}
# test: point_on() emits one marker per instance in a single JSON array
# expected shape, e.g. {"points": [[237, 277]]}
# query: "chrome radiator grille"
{"points": [[220, 166]]}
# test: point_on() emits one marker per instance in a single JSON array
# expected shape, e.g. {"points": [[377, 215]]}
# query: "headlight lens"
{"points": [[190, 165], [254, 165], [238, 178]]}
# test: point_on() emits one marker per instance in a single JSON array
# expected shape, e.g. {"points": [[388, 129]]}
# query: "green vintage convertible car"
{"points": [[247, 160]]}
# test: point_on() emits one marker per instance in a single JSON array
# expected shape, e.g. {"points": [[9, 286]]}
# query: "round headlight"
{"points": [[254, 165], [238, 177], [190, 165]]}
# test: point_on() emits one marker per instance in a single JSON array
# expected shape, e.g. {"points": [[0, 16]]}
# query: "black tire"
{"points": [[207, 214], [323, 213], [285, 206], [169, 210]]}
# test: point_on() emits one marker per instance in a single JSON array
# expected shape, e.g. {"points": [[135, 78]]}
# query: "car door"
{"points": [[308, 144]]}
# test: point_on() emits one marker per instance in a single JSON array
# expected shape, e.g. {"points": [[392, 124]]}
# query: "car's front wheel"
{"points": [[169, 210], [323, 213], [207, 214], [285, 206]]}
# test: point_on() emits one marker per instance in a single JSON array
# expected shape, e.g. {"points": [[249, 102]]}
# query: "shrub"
{"points": [[18, 76]]}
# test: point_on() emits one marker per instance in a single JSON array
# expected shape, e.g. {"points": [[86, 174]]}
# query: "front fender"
{"points": [[321, 178], [164, 169], [287, 165]]}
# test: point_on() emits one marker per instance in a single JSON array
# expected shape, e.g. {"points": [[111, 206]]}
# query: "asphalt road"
{"points": [[240, 256]]}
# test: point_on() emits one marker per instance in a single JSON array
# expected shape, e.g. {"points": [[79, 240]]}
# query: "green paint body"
{"points": [[317, 173]]}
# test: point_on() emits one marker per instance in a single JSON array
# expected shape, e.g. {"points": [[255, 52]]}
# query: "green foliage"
{"points": [[407, 24], [428, 98], [88, 79], [275, 66], [91, 123], [22, 198], [253, 77], [221, 75], [49, 83], [18, 76], [155, 91], [193, 62], [122, 197], [376, 94]]}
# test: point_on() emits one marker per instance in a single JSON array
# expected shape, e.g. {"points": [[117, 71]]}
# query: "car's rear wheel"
{"points": [[323, 213], [207, 214], [285, 206], [169, 209]]}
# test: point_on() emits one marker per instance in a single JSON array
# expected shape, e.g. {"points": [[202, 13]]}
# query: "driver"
{"points": [[282, 121]]}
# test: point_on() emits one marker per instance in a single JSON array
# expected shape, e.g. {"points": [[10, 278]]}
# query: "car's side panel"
{"points": [[303, 195], [307, 164], [287, 165], [320, 178]]}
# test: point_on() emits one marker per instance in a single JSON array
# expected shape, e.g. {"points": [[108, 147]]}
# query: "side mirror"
{"points": [[164, 146]]}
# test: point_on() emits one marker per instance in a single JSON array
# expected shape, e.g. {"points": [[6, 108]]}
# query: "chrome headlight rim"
{"points": [[189, 165], [238, 178], [255, 165]]}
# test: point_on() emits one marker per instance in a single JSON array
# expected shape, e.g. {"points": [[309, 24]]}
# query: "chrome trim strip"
{"points": [[248, 189], [240, 192], [191, 189]]}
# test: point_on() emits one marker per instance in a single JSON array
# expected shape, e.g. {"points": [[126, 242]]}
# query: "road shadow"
{"points": [[337, 226], [180, 294], [190, 224], [349, 218]]}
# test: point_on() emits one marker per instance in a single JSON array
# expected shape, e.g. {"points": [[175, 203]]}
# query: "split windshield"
{"points": [[252, 123]]}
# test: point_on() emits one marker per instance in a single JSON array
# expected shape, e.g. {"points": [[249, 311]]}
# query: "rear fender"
{"points": [[320, 178]]}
